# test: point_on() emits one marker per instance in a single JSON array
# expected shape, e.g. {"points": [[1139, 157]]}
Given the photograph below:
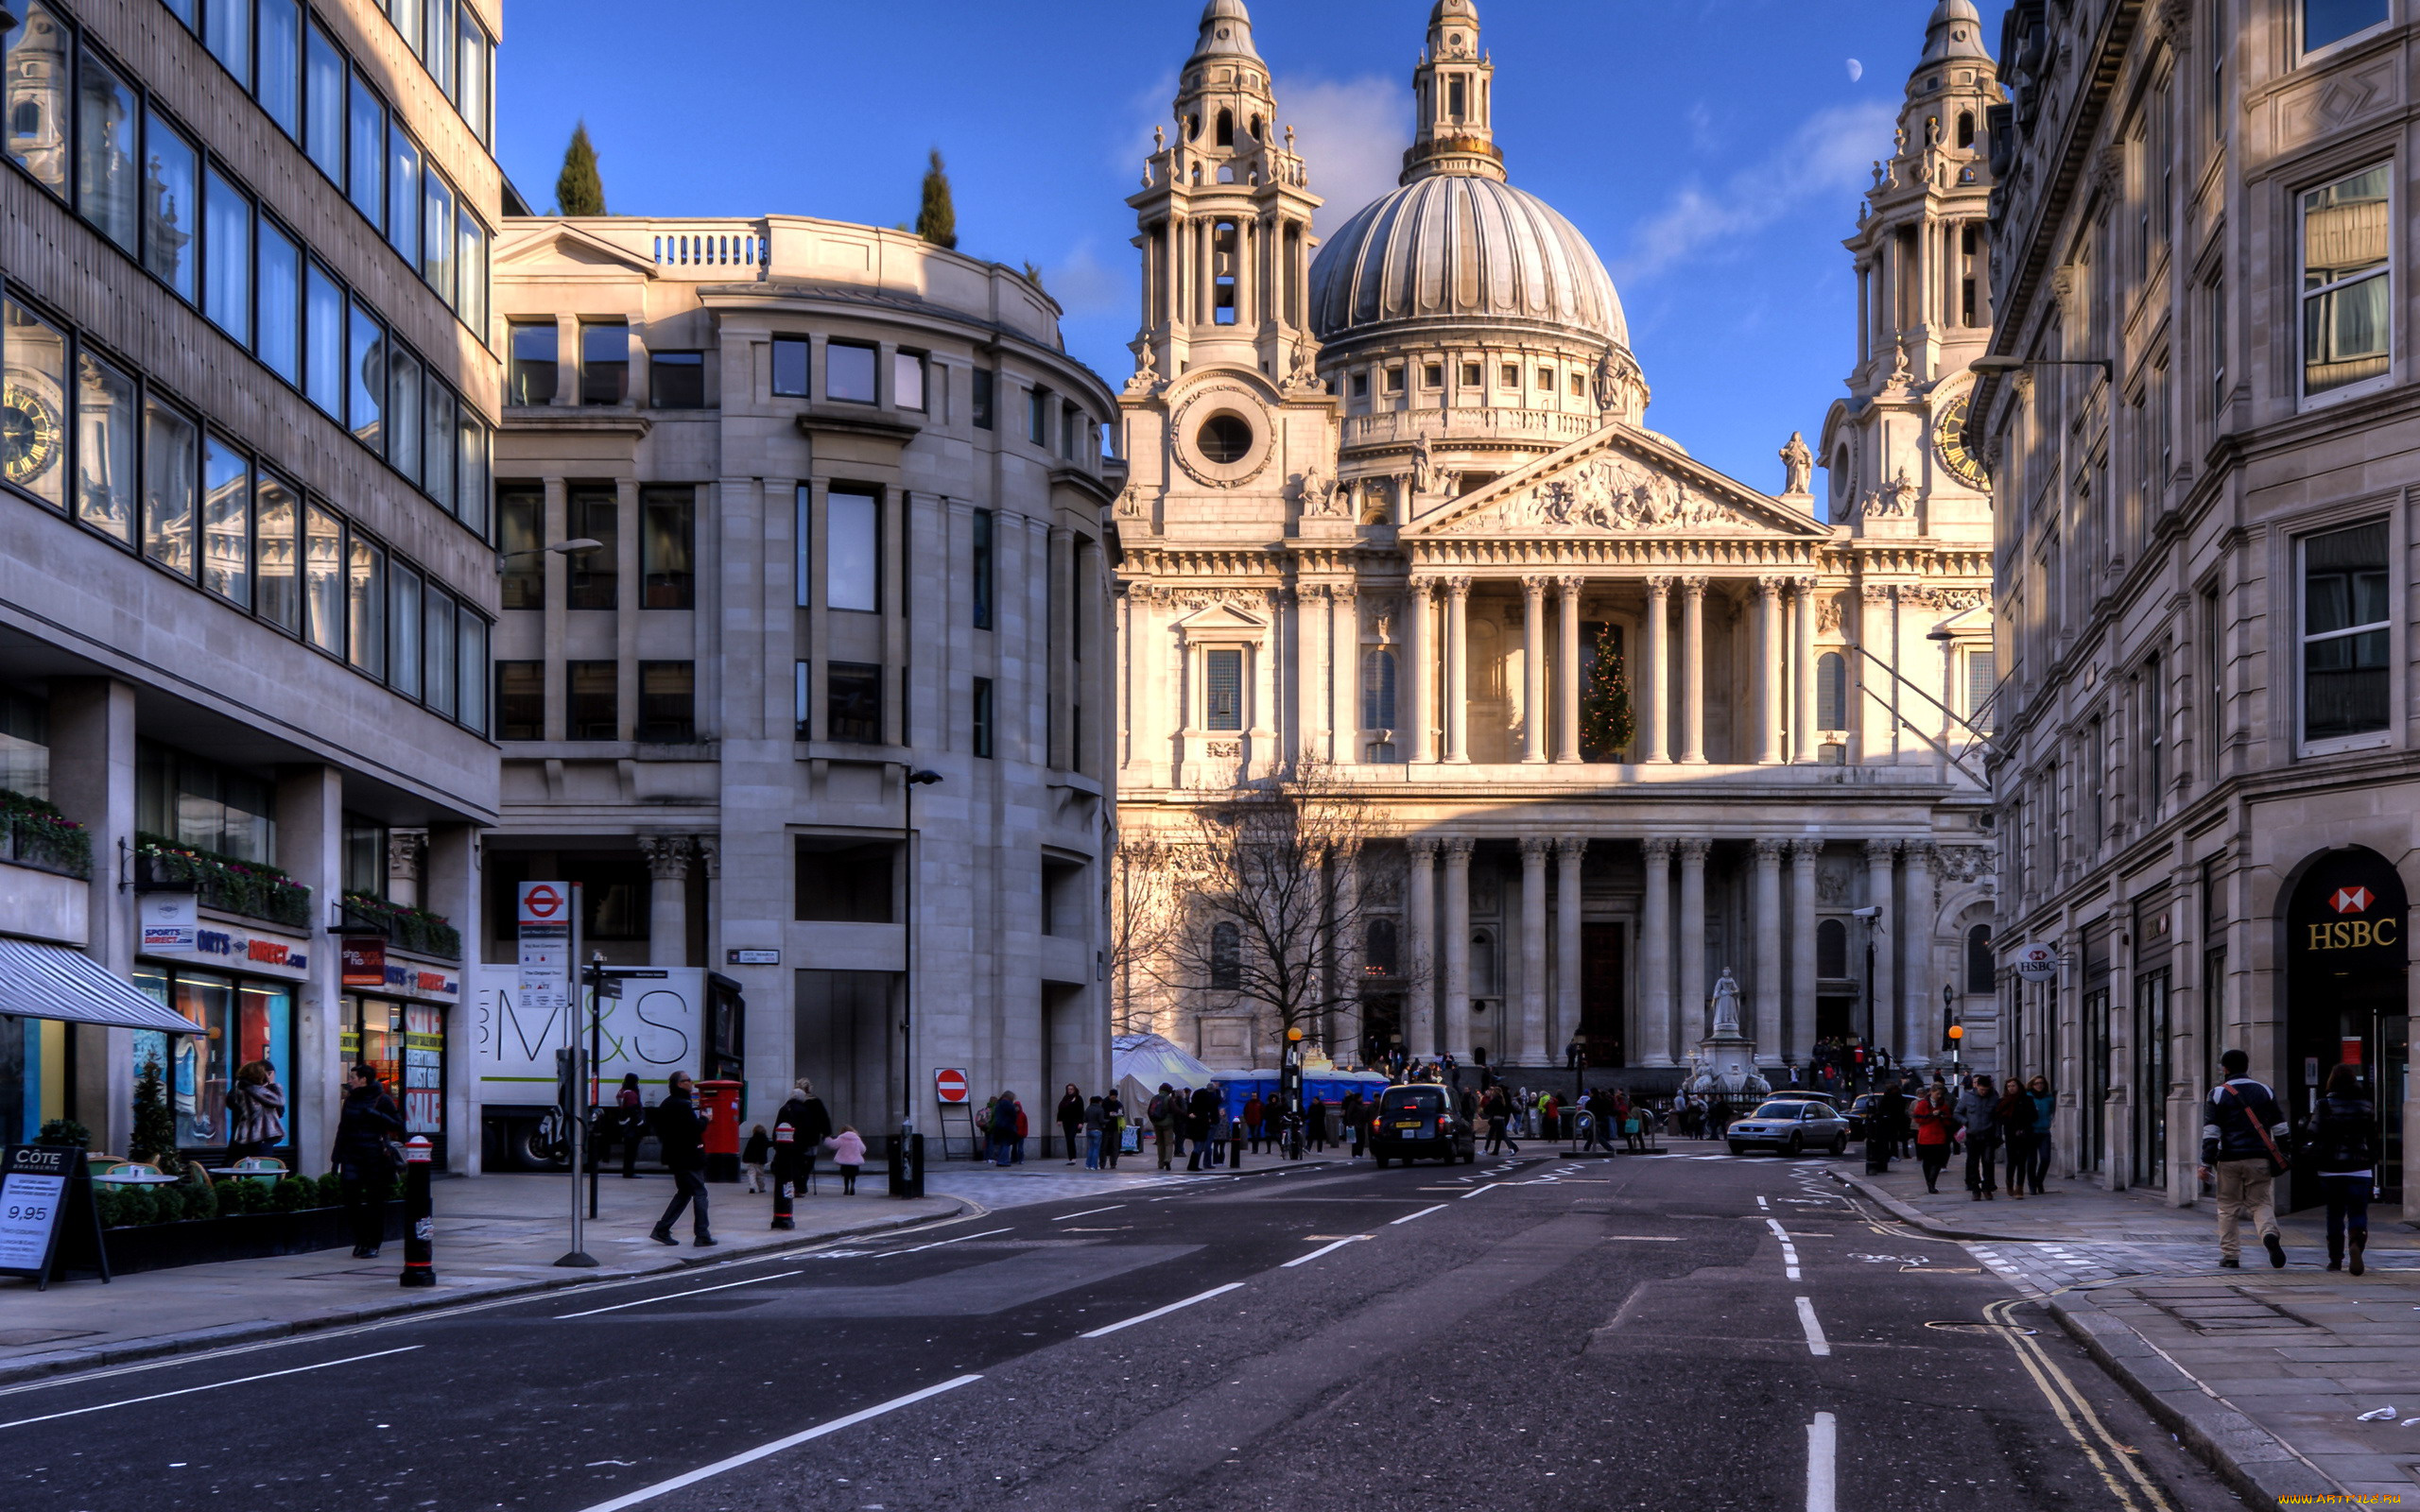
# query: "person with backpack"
{"points": [[2346, 1149], [678, 1125], [1112, 1128], [1979, 1116], [1162, 1112], [1088, 1124], [810, 1125], [1073, 1122], [1201, 1115], [2242, 1135]]}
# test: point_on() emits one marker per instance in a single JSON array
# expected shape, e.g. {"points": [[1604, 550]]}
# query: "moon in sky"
{"points": [[1857, 70]]}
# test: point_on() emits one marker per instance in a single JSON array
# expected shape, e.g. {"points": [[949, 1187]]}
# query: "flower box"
{"points": [[244, 1236]]}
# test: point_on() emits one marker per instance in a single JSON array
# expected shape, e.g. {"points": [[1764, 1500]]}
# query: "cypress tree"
{"points": [[154, 1138], [936, 218], [577, 189], [1605, 721]]}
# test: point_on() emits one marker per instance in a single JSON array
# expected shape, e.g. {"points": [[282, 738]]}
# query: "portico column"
{"points": [[1884, 931], [1768, 671], [1917, 1041], [1568, 853], [1566, 670], [667, 932], [1419, 932], [1802, 669], [1767, 926], [1692, 944], [1344, 674], [1416, 677], [1458, 947], [1532, 1040], [1313, 652], [1655, 688], [1533, 669], [1693, 678], [1458, 670], [1803, 854], [1655, 1032]]}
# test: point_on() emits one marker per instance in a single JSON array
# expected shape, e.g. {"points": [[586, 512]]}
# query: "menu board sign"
{"points": [[45, 1205]]}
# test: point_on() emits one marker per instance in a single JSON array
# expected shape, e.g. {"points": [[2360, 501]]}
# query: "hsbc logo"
{"points": [[2352, 899]]}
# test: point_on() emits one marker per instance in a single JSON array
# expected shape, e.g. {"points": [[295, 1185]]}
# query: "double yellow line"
{"points": [[2134, 1490]]}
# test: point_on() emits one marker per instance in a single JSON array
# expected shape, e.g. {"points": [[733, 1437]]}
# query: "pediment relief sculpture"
{"points": [[1604, 493]]}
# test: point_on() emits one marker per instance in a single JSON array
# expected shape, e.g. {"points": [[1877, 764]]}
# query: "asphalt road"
{"points": [[1666, 1333]]}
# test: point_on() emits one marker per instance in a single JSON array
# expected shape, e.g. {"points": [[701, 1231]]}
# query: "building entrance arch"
{"points": [[2346, 961]]}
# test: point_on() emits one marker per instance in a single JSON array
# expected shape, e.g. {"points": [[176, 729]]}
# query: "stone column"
{"points": [[667, 921], [1533, 669], [1566, 672], [1766, 923], [1868, 710], [1568, 853], [449, 876], [1654, 695], [1312, 653], [1693, 678], [1059, 740], [1884, 928], [1344, 674], [1692, 944], [1918, 1041], [91, 779], [1458, 672], [1802, 669], [310, 846], [1344, 1021], [710, 857], [1458, 947], [1532, 1040], [1656, 1031], [1417, 676], [1802, 855], [1419, 955], [1768, 671]]}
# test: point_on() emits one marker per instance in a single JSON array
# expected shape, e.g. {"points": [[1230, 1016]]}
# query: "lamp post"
{"points": [[908, 1168], [1289, 1091], [1872, 914]]}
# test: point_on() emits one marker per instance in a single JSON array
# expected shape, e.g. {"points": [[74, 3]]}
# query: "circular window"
{"points": [[1224, 438]]}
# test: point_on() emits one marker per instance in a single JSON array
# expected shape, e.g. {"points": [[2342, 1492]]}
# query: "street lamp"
{"points": [[908, 1168], [561, 548], [1872, 914]]}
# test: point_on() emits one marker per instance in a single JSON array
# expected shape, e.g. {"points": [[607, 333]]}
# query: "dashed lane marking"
{"points": [[1163, 1311]]}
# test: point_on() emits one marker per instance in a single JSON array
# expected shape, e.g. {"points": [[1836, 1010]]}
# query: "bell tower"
{"points": [[1454, 90]]}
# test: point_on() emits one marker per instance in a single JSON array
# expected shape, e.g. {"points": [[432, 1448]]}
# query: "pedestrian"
{"points": [[1074, 1121], [366, 1156], [1936, 1122], [1633, 1125], [1219, 1130], [256, 1111], [1356, 1120], [754, 1155], [1255, 1110], [629, 1104], [2014, 1116], [1314, 1123], [1202, 1111], [2346, 1149], [810, 1125], [677, 1124], [2241, 1130], [1003, 1128], [1888, 1128], [1112, 1128], [2046, 1112], [1017, 1155], [849, 1154], [1571, 1054], [1090, 1123], [1161, 1110], [1978, 1115]]}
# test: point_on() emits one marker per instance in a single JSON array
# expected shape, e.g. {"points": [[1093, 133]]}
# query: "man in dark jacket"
{"points": [[2243, 1141], [810, 1125], [677, 1125], [1200, 1115], [366, 1128]]}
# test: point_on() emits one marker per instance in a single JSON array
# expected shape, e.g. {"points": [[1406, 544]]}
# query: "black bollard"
{"points": [[1235, 1145], [785, 1138], [420, 1229]]}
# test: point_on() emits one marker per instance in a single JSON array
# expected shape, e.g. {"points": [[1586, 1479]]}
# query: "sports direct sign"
{"points": [[2037, 963], [949, 1085]]}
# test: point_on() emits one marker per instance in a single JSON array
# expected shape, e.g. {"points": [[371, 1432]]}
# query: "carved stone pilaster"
{"points": [[1658, 847], [667, 855], [710, 855]]}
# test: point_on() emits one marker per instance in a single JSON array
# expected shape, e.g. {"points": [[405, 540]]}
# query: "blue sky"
{"points": [[1712, 150]]}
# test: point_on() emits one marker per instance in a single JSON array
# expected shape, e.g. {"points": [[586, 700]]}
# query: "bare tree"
{"points": [[1145, 913]]}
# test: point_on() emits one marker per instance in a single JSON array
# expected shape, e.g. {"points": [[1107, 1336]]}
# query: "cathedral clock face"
{"points": [[28, 435], [1949, 442]]}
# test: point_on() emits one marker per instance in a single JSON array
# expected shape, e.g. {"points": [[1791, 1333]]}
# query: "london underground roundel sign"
{"points": [[949, 1085], [2037, 963]]}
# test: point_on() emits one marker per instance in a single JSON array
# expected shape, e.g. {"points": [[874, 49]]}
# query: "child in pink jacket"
{"points": [[849, 1153]]}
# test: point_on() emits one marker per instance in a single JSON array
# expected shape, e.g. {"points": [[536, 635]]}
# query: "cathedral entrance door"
{"points": [[1602, 980]]}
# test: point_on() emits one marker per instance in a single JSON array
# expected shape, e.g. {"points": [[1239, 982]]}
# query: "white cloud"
{"points": [[1083, 285], [1829, 154], [1352, 133]]}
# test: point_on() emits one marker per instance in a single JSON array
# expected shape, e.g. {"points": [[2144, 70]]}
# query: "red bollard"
{"points": [[420, 1229], [784, 1138]]}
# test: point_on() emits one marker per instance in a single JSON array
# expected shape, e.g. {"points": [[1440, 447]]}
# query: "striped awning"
{"points": [[53, 982]]}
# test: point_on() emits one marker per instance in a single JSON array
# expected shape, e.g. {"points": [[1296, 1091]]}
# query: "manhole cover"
{"points": [[1982, 1328]]}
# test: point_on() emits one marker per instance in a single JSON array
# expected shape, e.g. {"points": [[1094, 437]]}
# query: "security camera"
{"points": [[1873, 911]]}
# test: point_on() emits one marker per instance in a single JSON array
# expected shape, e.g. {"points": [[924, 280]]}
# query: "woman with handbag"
{"points": [[256, 1106], [2345, 1147], [366, 1155], [2014, 1116]]}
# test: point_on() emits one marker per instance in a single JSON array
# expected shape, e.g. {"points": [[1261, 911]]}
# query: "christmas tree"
{"points": [[578, 191], [1605, 722], [155, 1121]]}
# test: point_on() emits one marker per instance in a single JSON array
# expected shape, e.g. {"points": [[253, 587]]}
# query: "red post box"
{"points": [[720, 1099]]}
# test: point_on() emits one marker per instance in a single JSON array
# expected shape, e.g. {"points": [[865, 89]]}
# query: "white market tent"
{"points": [[1139, 1062]]}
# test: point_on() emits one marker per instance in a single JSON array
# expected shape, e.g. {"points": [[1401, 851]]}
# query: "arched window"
{"points": [[1831, 691], [1980, 973], [1192, 127], [1226, 173], [1257, 134], [1378, 956], [1226, 958], [1484, 978], [1965, 129], [1832, 949], [1378, 690], [1226, 128], [1225, 262]]}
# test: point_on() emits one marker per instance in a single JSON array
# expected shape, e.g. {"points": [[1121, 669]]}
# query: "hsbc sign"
{"points": [[2348, 914]]}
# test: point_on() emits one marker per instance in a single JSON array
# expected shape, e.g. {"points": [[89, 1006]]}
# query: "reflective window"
{"points": [[2346, 322], [677, 380], [590, 709], [441, 650], [519, 511], [847, 372], [595, 514], [226, 523], [437, 444], [667, 700], [532, 378], [323, 88], [403, 412], [33, 404], [170, 485], [323, 338], [852, 551], [366, 607], [104, 447], [170, 205], [852, 702], [471, 671], [789, 367], [277, 522], [2328, 21], [226, 247], [436, 259], [107, 173], [280, 338], [2347, 628], [280, 86], [604, 362], [323, 579], [1222, 695], [403, 196], [667, 527], [520, 700], [1378, 690], [368, 156], [368, 369], [908, 380], [38, 53], [227, 28]]}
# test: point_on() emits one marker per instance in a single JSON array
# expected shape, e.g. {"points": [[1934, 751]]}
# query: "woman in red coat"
{"points": [[1935, 1125]]}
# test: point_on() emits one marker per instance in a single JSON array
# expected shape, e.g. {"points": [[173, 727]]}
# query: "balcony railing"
{"points": [[1470, 421], [405, 928], [246, 887]]}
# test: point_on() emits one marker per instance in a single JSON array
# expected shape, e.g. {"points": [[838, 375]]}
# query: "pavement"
{"points": [[2292, 1383]]}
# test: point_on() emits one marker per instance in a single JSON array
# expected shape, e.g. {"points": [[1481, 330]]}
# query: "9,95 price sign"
{"points": [[30, 1207]]}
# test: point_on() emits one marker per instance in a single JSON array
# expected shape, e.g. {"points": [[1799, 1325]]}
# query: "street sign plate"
{"points": [[748, 957], [545, 902]]}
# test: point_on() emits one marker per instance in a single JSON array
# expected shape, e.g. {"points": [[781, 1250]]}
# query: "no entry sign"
{"points": [[949, 1085]]}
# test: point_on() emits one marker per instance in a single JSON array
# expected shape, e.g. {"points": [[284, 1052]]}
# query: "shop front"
{"points": [[399, 1029], [241, 994], [2346, 998]]}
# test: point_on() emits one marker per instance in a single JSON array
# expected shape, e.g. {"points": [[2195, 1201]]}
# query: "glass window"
{"points": [[280, 89], [595, 514], [402, 412], [471, 471], [668, 547], [369, 373], [471, 292], [1378, 690], [852, 551], [604, 362], [24, 745], [323, 336], [366, 607], [2346, 322], [227, 28], [227, 254], [979, 385], [533, 363], [323, 77], [1222, 675], [847, 372], [169, 481], [669, 700], [519, 509], [983, 718], [471, 671], [2328, 21], [437, 442], [1226, 957], [434, 45], [226, 521], [1982, 680], [436, 215], [441, 649], [1037, 417], [590, 712], [789, 367], [33, 404], [520, 700], [37, 50], [170, 205], [104, 447], [107, 169], [983, 570], [852, 702], [677, 379], [403, 196], [2347, 630], [471, 76], [908, 380], [323, 578], [368, 154], [277, 516], [1831, 691], [279, 341]]}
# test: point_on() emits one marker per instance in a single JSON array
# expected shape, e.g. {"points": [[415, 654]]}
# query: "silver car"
{"points": [[1792, 1126]]}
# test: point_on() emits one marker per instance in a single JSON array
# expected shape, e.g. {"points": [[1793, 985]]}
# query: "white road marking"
{"points": [[1087, 1212], [186, 1391], [673, 1296], [1767, 1206], [1821, 1447], [1779, 1233], [1422, 1214], [1816, 1344], [1163, 1311], [1323, 1249], [650, 1493], [1647, 1239], [938, 1243], [1476, 1190]]}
